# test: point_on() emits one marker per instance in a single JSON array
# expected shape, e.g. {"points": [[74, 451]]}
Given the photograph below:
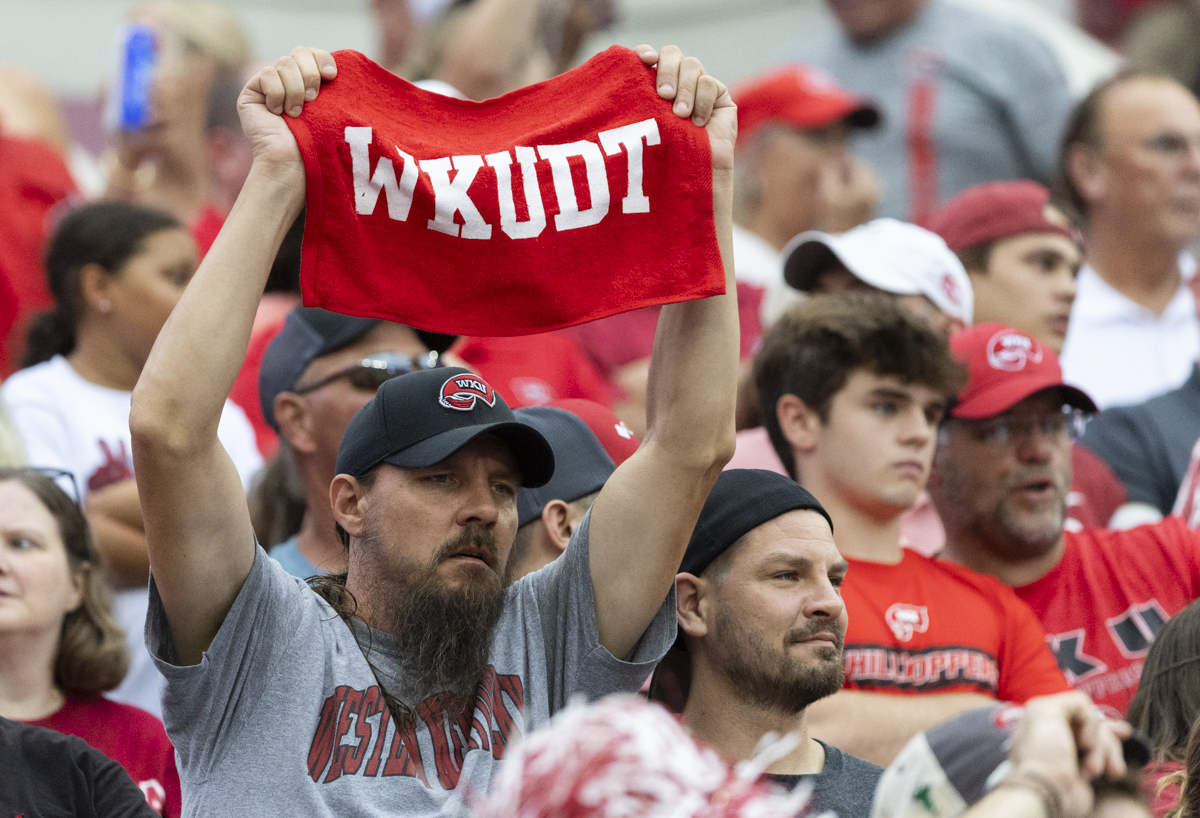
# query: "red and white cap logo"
{"points": [[462, 391], [951, 289], [1010, 350]]}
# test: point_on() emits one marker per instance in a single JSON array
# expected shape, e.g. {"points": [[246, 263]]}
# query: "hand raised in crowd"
{"points": [[1062, 744], [848, 191], [279, 89], [698, 95]]}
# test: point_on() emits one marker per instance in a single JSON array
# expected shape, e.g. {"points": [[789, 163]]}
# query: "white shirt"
{"points": [[755, 261], [70, 423], [1121, 353]]}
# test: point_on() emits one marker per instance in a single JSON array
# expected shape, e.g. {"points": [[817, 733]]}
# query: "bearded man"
{"points": [[761, 626], [397, 689], [1000, 481]]}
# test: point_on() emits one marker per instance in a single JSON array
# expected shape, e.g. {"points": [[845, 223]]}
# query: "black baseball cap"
{"points": [[581, 465], [740, 501], [307, 334], [422, 418]]}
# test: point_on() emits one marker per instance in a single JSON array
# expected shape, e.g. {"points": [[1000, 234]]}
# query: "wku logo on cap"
{"points": [[461, 392], [951, 289], [1009, 350]]}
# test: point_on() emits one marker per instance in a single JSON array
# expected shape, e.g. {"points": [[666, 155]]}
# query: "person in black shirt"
{"points": [[48, 773]]}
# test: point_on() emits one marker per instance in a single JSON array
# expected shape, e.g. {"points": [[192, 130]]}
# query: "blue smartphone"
{"points": [[137, 65]]}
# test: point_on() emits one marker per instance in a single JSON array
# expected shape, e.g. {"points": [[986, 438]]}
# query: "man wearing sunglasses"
{"points": [[317, 372], [1000, 482]]}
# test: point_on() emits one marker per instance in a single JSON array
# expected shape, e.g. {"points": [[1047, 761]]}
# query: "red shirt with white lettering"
{"points": [[1107, 598], [928, 626], [130, 736]]}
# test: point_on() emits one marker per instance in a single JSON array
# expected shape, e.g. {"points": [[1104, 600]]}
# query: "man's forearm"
{"points": [[199, 352], [876, 726], [692, 391]]}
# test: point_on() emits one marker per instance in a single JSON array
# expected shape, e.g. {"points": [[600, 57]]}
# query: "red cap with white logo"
{"points": [[1005, 367], [799, 96], [616, 438]]}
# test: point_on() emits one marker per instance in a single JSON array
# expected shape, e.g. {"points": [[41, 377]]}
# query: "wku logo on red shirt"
{"points": [[462, 391]]}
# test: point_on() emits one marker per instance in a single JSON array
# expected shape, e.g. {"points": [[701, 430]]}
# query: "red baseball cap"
{"points": [[1006, 366], [998, 210], [801, 96], [614, 435]]}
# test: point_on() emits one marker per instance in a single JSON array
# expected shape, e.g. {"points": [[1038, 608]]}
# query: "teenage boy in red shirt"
{"points": [[853, 388]]}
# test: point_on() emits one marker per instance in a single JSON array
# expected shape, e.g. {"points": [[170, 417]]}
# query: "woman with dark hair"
{"points": [[1167, 702], [116, 271], [60, 646]]}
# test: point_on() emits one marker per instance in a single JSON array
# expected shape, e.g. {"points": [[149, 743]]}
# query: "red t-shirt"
{"points": [[205, 227], [927, 626], [533, 370], [1107, 598], [130, 736], [33, 179]]}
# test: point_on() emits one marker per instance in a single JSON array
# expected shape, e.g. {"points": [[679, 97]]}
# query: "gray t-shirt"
{"points": [[283, 716], [845, 786], [986, 94]]}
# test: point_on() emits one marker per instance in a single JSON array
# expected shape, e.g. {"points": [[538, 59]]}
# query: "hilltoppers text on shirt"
{"points": [[556, 204]]}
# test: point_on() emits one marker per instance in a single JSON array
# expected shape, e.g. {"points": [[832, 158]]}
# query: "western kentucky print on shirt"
{"points": [[1108, 597], [285, 714], [559, 203], [356, 734], [927, 626]]}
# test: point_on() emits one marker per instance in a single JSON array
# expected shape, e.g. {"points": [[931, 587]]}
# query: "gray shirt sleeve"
{"points": [[576, 662], [207, 704]]}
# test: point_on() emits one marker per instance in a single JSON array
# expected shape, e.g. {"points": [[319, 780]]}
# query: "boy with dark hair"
{"points": [[853, 388]]}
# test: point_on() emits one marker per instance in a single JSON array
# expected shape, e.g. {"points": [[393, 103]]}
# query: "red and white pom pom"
{"points": [[624, 757]]}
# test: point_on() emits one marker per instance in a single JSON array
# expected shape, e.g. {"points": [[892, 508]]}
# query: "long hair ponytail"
{"points": [[105, 233]]}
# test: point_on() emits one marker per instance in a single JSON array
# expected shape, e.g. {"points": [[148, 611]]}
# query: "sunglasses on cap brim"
{"points": [[369, 373]]}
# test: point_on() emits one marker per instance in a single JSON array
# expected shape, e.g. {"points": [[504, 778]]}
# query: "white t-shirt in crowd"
{"points": [[756, 262], [70, 423], [1121, 353]]}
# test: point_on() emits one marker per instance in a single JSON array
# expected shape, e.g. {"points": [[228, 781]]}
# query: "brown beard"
{"points": [[445, 633], [777, 682]]}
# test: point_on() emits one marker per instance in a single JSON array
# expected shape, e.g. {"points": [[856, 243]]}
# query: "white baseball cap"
{"points": [[890, 255]]}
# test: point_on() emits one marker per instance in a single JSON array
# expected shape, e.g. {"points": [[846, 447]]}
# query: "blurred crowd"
{"points": [[906, 523]]}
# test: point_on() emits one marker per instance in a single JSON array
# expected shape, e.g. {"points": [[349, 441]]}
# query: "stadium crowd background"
{"points": [[934, 203]]}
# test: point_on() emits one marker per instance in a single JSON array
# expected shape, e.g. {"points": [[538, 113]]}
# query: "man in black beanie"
{"points": [[761, 624]]}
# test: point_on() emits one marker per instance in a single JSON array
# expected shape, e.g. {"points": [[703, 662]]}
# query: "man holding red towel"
{"points": [[401, 683]]}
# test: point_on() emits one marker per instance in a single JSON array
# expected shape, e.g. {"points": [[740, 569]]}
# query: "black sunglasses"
{"points": [[370, 372]]}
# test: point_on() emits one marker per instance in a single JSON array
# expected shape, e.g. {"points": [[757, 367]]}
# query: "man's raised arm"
{"points": [[197, 524], [645, 514]]}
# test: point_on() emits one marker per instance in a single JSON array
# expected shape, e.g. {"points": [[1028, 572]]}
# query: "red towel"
{"points": [[437, 231]]}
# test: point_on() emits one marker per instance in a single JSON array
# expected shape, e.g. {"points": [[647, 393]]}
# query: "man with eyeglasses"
{"points": [[853, 387], [1000, 481], [318, 371]]}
